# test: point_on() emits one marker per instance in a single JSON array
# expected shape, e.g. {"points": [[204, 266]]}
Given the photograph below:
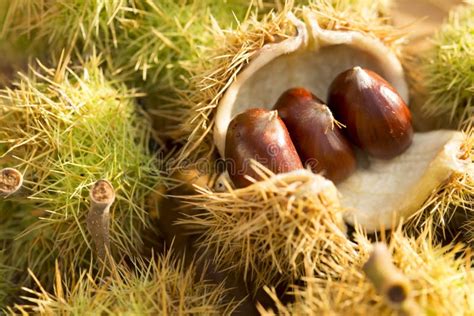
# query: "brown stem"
{"points": [[102, 196], [11, 180], [388, 280]]}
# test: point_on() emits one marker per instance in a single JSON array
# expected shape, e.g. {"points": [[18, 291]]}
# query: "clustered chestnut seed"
{"points": [[316, 136], [376, 118], [261, 135]]}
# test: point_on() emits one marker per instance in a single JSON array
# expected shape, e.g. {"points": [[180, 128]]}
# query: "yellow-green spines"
{"points": [[159, 38], [440, 278], [146, 40], [164, 286], [66, 130], [55, 25], [234, 49], [267, 230], [6, 277], [448, 68]]}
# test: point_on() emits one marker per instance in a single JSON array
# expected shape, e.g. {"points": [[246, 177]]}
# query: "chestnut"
{"points": [[317, 138], [376, 117], [261, 135]]}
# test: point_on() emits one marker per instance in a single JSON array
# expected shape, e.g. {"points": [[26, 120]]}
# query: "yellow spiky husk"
{"points": [[268, 229], [441, 279], [162, 286]]}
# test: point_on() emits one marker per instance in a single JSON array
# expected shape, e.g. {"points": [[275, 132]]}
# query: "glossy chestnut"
{"points": [[317, 137], [261, 135], [376, 117]]}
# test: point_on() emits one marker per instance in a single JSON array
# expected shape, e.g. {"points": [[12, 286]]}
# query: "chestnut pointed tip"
{"points": [[272, 115], [362, 78]]}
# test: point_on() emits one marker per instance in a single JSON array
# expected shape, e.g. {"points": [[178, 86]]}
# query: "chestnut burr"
{"points": [[377, 118], [261, 135], [317, 137]]}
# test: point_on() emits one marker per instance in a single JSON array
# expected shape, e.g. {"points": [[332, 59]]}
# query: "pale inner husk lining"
{"points": [[313, 70]]}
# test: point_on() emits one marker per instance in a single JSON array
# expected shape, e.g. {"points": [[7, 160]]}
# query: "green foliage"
{"points": [[448, 69]]}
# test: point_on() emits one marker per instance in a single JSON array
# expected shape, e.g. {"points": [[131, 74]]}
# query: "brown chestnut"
{"points": [[316, 136], [261, 135], [377, 118]]}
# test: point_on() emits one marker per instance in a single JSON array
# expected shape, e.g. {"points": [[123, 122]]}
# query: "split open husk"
{"points": [[311, 59], [377, 196]]}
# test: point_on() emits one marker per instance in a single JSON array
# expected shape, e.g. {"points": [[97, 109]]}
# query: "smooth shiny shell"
{"points": [[318, 140], [376, 117], [261, 135]]}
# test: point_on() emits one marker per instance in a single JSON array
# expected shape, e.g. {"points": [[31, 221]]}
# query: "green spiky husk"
{"points": [[65, 130], [144, 42], [162, 286], [52, 26], [6, 277], [447, 69]]}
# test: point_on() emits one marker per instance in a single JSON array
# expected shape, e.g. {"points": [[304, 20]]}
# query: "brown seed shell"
{"points": [[261, 135], [377, 118], [317, 138]]}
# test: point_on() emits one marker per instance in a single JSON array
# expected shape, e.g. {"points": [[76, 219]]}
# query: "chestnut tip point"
{"points": [[272, 115], [363, 79]]}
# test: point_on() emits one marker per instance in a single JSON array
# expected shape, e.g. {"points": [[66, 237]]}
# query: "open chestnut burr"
{"points": [[376, 117], [261, 135], [317, 137]]}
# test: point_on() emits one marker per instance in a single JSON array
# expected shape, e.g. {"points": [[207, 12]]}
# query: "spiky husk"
{"points": [[168, 37], [162, 286], [6, 277], [159, 41], [147, 39], [65, 130], [468, 229], [268, 229], [52, 26], [160, 36], [446, 69], [441, 279], [446, 210], [33, 249], [232, 51]]}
